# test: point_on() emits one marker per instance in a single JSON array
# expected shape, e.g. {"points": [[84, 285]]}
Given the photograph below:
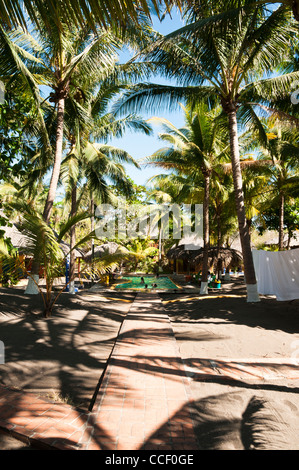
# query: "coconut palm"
{"points": [[89, 173], [63, 58], [78, 12], [223, 220], [195, 151], [227, 61], [92, 165], [59, 58]]}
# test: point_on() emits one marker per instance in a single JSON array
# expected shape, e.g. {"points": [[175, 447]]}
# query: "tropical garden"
{"points": [[232, 72]]}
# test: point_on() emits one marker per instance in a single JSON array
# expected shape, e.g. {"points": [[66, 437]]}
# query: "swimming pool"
{"points": [[134, 282]]}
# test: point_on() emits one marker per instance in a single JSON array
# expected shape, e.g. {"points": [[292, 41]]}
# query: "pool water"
{"points": [[134, 282]]}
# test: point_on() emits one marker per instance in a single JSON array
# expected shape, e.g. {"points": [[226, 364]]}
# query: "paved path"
{"points": [[142, 403]]}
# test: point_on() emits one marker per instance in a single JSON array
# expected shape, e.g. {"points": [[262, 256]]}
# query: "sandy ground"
{"points": [[250, 400], [63, 357]]}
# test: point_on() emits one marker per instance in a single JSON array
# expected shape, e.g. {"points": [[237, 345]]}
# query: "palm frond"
{"points": [[78, 12]]}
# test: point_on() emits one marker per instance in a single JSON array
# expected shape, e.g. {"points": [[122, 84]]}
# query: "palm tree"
{"points": [[223, 220], [279, 148], [68, 57], [195, 151], [78, 12], [63, 58], [140, 250], [89, 173], [227, 61], [92, 164]]}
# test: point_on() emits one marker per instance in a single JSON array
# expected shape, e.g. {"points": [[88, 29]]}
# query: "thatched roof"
{"points": [[66, 249], [21, 242], [229, 256], [102, 250], [178, 252], [185, 248], [18, 240]]}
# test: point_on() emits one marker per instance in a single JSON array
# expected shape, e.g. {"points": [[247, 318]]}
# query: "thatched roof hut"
{"points": [[108, 248], [184, 249], [228, 257]]}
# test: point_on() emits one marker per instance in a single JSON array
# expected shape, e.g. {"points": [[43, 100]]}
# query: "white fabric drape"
{"points": [[277, 273]]}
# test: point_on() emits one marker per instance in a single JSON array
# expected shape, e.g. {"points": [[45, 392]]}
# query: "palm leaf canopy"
{"points": [[234, 60], [78, 12]]}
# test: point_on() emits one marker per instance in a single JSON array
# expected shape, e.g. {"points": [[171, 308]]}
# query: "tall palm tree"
{"points": [[92, 164], [228, 61], [223, 220], [62, 58], [170, 189], [89, 172], [195, 151], [67, 58]]}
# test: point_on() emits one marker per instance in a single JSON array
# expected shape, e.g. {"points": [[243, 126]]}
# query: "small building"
{"points": [[180, 255], [184, 260]]}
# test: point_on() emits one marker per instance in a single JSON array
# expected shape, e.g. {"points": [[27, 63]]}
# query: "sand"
{"points": [[240, 357]]}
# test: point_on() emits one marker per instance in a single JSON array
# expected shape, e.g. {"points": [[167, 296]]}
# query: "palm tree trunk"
{"points": [[219, 263], [251, 284], [92, 225], [31, 286], [281, 222], [295, 8], [289, 239], [73, 242], [206, 235], [57, 160]]}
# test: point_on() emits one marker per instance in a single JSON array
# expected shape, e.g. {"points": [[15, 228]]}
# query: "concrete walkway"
{"points": [[142, 402]]}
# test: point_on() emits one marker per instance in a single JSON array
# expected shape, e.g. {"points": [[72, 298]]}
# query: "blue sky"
{"points": [[138, 145]]}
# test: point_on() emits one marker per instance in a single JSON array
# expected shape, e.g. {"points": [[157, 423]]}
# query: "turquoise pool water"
{"points": [[134, 282]]}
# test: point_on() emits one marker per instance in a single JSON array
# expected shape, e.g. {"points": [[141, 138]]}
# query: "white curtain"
{"points": [[277, 273]]}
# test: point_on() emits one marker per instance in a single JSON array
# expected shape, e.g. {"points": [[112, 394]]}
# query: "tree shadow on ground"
{"points": [[64, 355], [268, 314], [75, 347], [230, 421]]}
